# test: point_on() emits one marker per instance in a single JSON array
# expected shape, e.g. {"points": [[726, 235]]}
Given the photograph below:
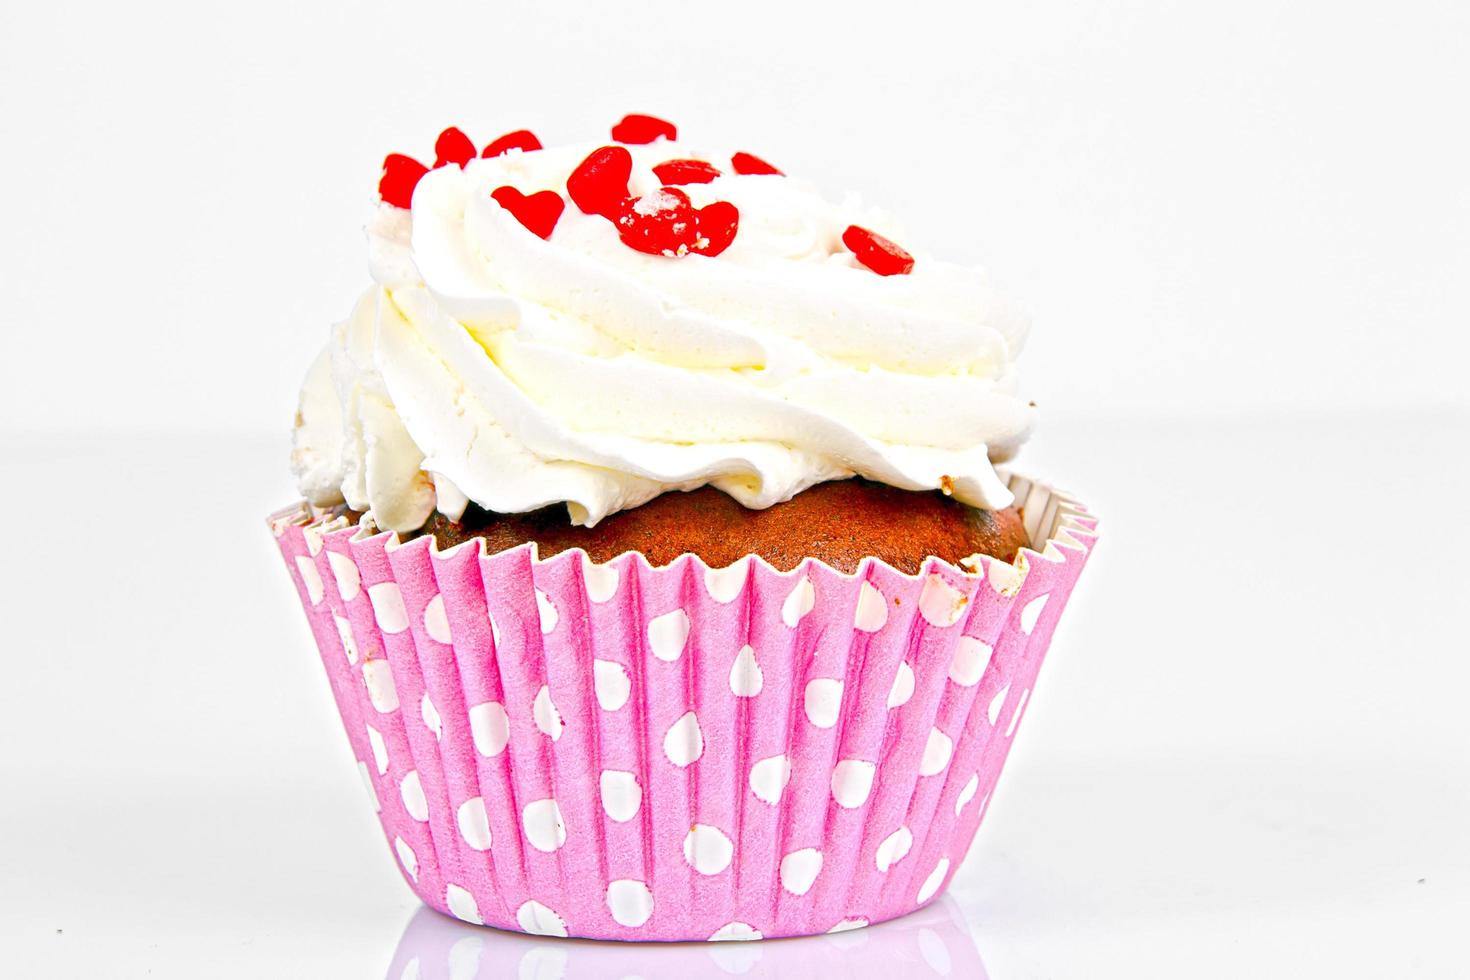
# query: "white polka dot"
{"points": [[1032, 612], [823, 701], [367, 780], [847, 925], [462, 905], [546, 610], [937, 752], [732, 959], [725, 584], [432, 721], [872, 609], [310, 578], [799, 870], [548, 719], [490, 728], [931, 884], [1016, 715], [407, 858], [543, 826], [313, 539], [630, 902], [464, 958], [381, 691], [971, 657], [436, 622], [935, 953], [768, 778], [684, 742], [542, 961], [941, 604], [667, 635], [349, 580], [1005, 578], [412, 791], [349, 643], [735, 932], [903, 685], [388, 607], [993, 712], [707, 849], [746, 679], [474, 823], [967, 793], [621, 794], [538, 920], [380, 750], [601, 581], [894, 848], [846, 942], [800, 602], [611, 683], [852, 781]]}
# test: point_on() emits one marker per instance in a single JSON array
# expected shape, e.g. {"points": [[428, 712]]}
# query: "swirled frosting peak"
{"points": [[598, 324]]}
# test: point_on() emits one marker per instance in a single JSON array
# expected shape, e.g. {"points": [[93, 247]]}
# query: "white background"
{"points": [[1245, 232], [1213, 207]]}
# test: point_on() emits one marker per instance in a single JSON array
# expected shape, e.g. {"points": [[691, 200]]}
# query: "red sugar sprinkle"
{"points": [[538, 212], [521, 139], [661, 223], [664, 223], [453, 146], [749, 163], [599, 185], [643, 129], [685, 172], [717, 224], [877, 253], [401, 175]]}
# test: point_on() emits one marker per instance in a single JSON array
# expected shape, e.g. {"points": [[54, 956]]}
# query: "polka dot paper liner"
{"points": [[683, 753]]}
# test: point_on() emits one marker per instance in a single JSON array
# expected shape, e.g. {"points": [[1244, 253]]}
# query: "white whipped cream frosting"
{"points": [[488, 365]]}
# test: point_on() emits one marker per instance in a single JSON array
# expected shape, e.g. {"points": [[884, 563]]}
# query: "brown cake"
{"points": [[839, 523]]}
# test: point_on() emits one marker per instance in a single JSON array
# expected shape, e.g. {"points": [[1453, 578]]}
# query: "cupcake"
{"points": [[655, 547]]}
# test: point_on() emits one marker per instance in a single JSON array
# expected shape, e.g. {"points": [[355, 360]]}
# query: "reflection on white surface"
{"points": [[933, 942], [1287, 786]]}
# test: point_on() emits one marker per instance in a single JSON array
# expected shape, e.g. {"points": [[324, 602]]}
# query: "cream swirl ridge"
{"points": [[517, 372]]}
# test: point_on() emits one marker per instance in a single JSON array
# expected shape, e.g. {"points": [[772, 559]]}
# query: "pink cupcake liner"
{"points": [[625, 752]]}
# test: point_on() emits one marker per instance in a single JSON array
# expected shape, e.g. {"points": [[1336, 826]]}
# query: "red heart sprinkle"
{"points": [[600, 183], [877, 253], [521, 139], [716, 225], [643, 129], [453, 146], [537, 212], [661, 223], [685, 172], [749, 163], [401, 175]]}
